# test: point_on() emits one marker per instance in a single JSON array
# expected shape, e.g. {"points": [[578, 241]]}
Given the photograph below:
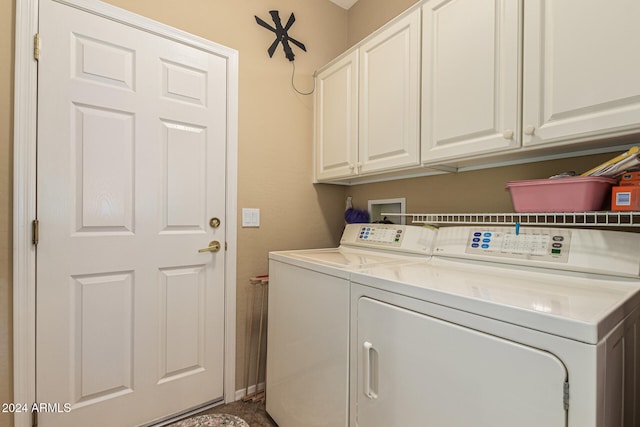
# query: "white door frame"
{"points": [[24, 189]]}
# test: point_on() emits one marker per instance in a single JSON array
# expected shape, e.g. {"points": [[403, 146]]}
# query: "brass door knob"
{"points": [[214, 246]]}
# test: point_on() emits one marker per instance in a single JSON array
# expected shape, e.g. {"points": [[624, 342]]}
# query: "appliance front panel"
{"points": [[415, 370]]}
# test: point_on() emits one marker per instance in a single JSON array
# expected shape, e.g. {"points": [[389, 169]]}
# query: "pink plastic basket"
{"points": [[575, 194]]}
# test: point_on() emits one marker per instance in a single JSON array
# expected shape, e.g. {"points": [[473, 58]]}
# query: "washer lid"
{"points": [[572, 305], [341, 258]]}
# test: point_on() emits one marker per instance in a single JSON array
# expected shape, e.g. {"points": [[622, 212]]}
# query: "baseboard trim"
{"points": [[252, 389]]}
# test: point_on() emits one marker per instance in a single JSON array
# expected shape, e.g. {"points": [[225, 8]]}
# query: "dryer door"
{"points": [[416, 370]]}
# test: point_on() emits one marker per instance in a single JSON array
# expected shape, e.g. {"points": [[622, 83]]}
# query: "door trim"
{"points": [[24, 189]]}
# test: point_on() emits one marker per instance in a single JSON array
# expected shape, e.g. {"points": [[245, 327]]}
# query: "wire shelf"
{"points": [[567, 219]]}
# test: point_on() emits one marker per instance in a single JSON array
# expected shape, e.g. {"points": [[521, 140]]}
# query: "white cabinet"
{"points": [[578, 77], [368, 105], [336, 111], [389, 105], [581, 70], [469, 78], [467, 83], [417, 370]]}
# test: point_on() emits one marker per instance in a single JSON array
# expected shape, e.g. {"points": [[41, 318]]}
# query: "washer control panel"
{"points": [[386, 235], [540, 244]]}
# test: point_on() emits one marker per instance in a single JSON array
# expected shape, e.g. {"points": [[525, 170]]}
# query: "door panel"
{"points": [[102, 351], [336, 125], [417, 370], [131, 165], [470, 78], [389, 100], [182, 338], [580, 83], [184, 152], [103, 170]]}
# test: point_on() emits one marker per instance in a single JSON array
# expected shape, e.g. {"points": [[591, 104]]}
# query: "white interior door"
{"points": [[131, 167], [416, 370]]}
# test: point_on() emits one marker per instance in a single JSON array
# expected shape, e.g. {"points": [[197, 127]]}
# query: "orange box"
{"points": [[630, 178], [625, 198]]}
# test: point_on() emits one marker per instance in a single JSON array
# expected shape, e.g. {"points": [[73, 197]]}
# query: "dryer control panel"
{"points": [[541, 244], [584, 250], [390, 237]]}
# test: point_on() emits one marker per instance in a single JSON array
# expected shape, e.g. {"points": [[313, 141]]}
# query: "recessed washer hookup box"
{"points": [[574, 194]]}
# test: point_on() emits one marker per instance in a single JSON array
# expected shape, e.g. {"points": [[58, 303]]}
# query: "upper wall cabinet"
{"points": [[336, 112], [389, 106], [469, 78], [579, 76], [367, 105], [581, 70], [459, 84]]}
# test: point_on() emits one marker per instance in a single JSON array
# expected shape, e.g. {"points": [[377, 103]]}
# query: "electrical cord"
{"points": [[293, 73]]}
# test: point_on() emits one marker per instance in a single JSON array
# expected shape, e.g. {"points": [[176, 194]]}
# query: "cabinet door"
{"points": [[336, 125], [581, 67], [415, 370], [389, 96], [469, 78]]}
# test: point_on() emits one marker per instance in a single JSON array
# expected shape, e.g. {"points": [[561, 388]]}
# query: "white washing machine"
{"points": [[307, 379], [500, 328]]}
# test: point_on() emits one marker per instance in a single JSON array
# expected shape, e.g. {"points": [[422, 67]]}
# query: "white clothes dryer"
{"points": [[537, 327]]}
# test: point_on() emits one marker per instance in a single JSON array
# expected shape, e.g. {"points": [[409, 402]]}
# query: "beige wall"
{"points": [[367, 16]]}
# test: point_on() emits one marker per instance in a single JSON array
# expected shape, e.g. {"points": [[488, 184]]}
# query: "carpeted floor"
{"points": [[253, 413]]}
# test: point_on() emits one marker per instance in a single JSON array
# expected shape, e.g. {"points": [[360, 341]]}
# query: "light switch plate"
{"points": [[250, 217]]}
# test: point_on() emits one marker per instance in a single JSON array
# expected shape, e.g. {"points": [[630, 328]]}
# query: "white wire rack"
{"points": [[574, 219]]}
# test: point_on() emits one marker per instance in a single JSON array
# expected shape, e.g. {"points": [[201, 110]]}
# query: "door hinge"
{"points": [[36, 47], [35, 232], [565, 395], [34, 419]]}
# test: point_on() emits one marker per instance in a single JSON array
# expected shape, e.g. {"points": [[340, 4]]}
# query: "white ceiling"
{"points": [[346, 4]]}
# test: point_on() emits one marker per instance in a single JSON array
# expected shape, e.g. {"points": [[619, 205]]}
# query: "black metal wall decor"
{"points": [[281, 35]]}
